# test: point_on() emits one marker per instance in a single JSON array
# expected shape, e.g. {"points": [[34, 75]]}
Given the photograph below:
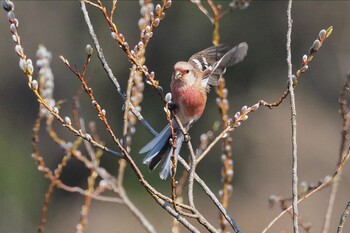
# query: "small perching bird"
{"points": [[189, 86]]}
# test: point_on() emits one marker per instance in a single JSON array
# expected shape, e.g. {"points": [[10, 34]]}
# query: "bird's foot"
{"points": [[171, 106], [187, 137]]}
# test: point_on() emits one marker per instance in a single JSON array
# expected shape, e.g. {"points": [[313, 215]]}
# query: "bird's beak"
{"points": [[177, 75]]}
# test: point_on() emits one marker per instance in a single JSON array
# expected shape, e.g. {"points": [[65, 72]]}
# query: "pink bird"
{"points": [[189, 86]]}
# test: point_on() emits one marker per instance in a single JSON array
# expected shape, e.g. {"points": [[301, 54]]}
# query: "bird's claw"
{"points": [[187, 137], [171, 106]]}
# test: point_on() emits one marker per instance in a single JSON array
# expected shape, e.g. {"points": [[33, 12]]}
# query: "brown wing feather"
{"points": [[232, 57], [215, 59], [209, 56]]}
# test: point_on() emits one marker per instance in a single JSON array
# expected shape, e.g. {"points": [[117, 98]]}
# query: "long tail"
{"points": [[159, 150]]}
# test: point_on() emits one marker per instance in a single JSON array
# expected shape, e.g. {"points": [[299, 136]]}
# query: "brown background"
{"points": [[261, 145]]}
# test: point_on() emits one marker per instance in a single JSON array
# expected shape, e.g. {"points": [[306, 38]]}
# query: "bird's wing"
{"points": [[218, 68], [207, 57]]}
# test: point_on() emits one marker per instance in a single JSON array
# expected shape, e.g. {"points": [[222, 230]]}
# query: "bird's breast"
{"points": [[190, 102]]}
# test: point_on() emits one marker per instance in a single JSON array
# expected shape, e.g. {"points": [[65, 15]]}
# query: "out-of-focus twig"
{"points": [[27, 67], [109, 71], [227, 172], [345, 114], [223, 105], [325, 183]]}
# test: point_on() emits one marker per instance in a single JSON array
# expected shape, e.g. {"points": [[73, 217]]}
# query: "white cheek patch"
{"points": [[190, 79]]}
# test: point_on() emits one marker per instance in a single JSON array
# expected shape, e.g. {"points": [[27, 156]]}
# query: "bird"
{"points": [[190, 83]]}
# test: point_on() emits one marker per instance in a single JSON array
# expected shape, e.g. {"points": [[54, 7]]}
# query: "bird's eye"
{"points": [[187, 71]]}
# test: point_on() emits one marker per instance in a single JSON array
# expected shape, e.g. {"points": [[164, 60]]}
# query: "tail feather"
{"points": [[159, 143], [166, 167], [155, 141], [159, 150], [157, 158]]}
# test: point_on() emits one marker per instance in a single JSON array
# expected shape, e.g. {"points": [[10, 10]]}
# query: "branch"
{"points": [[325, 183], [133, 209], [322, 36], [102, 115], [344, 111], [109, 71], [343, 218], [212, 196], [294, 123]]}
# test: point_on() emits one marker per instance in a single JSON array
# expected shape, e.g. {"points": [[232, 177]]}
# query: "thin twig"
{"points": [[191, 170], [102, 116], [179, 198], [122, 163], [192, 164], [239, 117], [85, 209], [203, 10], [216, 22], [343, 218], [344, 111], [133, 209], [109, 71], [293, 122], [212, 196], [155, 194], [199, 217], [120, 39], [48, 173], [114, 7], [325, 183], [67, 123], [283, 203], [125, 47], [35, 141], [191, 178], [330, 206]]}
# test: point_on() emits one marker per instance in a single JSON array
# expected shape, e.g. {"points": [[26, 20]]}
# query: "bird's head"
{"points": [[184, 72]]}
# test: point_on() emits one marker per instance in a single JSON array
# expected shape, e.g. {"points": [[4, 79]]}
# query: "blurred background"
{"points": [[261, 146]]}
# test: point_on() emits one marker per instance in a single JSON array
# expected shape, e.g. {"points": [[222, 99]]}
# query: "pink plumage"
{"points": [[190, 101]]}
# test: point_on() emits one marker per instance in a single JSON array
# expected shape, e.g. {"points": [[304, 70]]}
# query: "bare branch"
{"points": [[212, 197], [293, 122], [344, 111], [343, 218], [325, 183], [109, 71]]}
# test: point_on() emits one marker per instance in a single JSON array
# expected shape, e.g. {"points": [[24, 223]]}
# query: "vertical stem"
{"points": [[293, 121]]}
